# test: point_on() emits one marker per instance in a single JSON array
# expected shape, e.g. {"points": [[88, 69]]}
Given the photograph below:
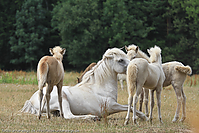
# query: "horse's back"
{"points": [[53, 67], [171, 74]]}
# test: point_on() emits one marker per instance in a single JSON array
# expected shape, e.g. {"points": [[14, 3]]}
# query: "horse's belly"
{"points": [[83, 105]]}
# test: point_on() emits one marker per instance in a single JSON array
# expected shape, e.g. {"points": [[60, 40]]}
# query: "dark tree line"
{"points": [[86, 28]]}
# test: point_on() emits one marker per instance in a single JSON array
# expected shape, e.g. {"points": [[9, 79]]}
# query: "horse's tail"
{"points": [[42, 72], [131, 78], [184, 69]]}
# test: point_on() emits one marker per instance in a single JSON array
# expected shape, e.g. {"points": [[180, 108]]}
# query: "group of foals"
{"points": [[98, 85]]}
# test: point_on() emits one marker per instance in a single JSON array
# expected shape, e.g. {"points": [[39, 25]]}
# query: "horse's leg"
{"points": [[179, 100], [121, 83], [49, 89], [141, 100], [146, 99], [183, 105], [158, 96], [151, 104], [115, 107], [59, 91], [135, 100], [130, 100], [40, 100]]}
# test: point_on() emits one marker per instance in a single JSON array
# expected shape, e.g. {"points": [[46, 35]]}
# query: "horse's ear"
{"points": [[136, 49], [51, 51], [126, 48], [148, 51], [109, 56], [63, 51]]}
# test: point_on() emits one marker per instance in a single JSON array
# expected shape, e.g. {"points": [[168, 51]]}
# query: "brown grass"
{"points": [[13, 97]]}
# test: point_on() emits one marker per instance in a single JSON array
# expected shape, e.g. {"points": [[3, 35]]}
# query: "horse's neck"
{"points": [[158, 60], [109, 87], [143, 55]]}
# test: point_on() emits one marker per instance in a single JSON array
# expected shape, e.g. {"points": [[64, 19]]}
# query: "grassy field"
{"points": [[16, 87]]}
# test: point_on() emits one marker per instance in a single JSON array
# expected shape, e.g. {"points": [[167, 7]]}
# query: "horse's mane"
{"points": [[99, 73], [155, 54]]}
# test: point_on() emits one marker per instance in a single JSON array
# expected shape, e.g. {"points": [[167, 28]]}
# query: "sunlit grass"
{"points": [[14, 94], [22, 77]]}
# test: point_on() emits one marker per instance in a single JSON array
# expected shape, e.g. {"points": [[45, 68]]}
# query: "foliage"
{"points": [[182, 40], [32, 32], [88, 27], [7, 13]]}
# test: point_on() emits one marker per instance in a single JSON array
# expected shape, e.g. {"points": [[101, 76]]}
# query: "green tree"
{"points": [[7, 18], [182, 40], [33, 33], [88, 28]]}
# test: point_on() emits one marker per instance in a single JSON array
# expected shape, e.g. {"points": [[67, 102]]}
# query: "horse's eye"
{"points": [[121, 60]]}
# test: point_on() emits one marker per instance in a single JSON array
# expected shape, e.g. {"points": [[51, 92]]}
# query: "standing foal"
{"points": [[50, 71]]}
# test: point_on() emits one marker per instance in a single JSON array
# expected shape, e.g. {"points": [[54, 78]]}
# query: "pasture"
{"points": [[17, 86]]}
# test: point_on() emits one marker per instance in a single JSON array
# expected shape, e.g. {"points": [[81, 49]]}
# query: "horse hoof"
{"points": [[48, 116], [135, 122], [96, 119], [61, 115], [175, 119], [126, 122], [182, 119], [39, 117]]}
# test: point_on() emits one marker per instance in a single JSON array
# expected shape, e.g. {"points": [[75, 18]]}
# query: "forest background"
{"points": [[87, 28]]}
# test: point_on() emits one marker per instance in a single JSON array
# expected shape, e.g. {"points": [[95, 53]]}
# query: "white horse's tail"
{"points": [[29, 108], [42, 74], [184, 69], [131, 78]]}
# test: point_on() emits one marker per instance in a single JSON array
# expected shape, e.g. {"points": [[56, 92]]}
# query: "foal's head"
{"points": [[132, 51], [57, 52]]}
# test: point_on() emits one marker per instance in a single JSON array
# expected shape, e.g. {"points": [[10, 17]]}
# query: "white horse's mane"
{"points": [[154, 54], [99, 73]]}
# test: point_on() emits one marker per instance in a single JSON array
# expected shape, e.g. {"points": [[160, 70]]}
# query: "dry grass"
{"points": [[13, 97]]}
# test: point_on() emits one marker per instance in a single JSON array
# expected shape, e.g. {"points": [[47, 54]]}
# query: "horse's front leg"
{"points": [[115, 107], [59, 91]]}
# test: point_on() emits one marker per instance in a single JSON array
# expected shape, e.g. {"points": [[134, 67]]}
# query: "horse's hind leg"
{"points": [[151, 105], [146, 99], [179, 100], [135, 100], [183, 105], [49, 89], [141, 97], [130, 100], [40, 100], [158, 95], [59, 90], [121, 83]]}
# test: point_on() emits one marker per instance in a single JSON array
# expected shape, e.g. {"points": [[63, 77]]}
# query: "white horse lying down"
{"points": [[86, 99], [175, 74]]}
